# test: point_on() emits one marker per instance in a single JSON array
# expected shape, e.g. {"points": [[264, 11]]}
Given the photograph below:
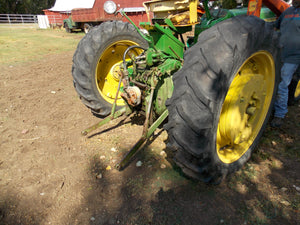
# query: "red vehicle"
{"points": [[104, 10]]}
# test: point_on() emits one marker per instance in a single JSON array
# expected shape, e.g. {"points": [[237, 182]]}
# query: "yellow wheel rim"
{"points": [[297, 91], [108, 69], [246, 106]]}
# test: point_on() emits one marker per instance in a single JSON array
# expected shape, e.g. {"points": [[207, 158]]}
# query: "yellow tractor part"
{"points": [[181, 12], [246, 106], [108, 73], [297, 91]]}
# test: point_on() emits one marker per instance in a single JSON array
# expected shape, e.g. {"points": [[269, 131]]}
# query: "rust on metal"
{"points": [[132, 95]]}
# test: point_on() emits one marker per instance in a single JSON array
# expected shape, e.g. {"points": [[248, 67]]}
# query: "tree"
{"points": [[25, 6]]}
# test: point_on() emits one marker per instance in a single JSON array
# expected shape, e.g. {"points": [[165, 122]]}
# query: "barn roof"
{"points": [[68, 5]]}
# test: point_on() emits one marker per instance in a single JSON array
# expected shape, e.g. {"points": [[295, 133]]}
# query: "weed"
{"points": [[136, 185], [261, 154], [295, 203], [3, 119], [249, 171], [116, 139]]}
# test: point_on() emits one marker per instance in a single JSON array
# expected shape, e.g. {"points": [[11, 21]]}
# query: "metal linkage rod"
{"points": [[121, 165], [105, 121]]}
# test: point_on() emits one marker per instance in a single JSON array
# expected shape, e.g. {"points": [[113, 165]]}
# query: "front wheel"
{"points": [[96, 64], [223, 97]]}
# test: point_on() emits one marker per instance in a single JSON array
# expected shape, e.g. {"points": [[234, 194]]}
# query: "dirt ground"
{"points": [[50, 174]]}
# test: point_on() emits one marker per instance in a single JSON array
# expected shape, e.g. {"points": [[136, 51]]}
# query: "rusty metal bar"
{"points": [[113, 108], [146, 124]]}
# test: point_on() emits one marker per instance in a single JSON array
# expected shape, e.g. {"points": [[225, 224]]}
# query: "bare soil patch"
{"points": [[50, 174]]}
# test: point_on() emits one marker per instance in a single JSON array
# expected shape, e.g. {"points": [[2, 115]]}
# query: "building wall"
{"points": [[56, 18]]}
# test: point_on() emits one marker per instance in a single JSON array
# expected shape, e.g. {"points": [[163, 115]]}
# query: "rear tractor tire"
{"points": [[96, 63], [223, 97]]}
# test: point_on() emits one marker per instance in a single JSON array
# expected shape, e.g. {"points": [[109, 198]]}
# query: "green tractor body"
{"points": [[165, 53], [213, 17]]}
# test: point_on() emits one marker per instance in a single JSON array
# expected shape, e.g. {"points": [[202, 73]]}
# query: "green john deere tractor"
{"points": [[217, 88]]}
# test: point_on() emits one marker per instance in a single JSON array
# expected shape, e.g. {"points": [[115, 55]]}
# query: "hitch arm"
{"points": [[121, 165], [106, 120]]}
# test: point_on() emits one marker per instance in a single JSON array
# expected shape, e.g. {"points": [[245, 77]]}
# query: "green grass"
{"points": [[20, 45]]}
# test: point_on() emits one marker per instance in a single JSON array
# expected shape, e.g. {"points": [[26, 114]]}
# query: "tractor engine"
{"points": [[147, 77]]}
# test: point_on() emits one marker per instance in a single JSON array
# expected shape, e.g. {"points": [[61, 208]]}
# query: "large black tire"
{"points": [[98, 53], [225, 89]]}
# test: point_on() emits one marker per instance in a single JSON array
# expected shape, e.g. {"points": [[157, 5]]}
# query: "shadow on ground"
{"points": [[261, 193]]}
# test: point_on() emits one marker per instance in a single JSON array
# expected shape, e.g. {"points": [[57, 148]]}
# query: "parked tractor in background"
{"points": [[217, 91]]}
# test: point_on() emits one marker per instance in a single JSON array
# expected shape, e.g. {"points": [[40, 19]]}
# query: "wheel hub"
{"points": [[115, 72], [240, 111], [107, 72], [245, 107]]}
